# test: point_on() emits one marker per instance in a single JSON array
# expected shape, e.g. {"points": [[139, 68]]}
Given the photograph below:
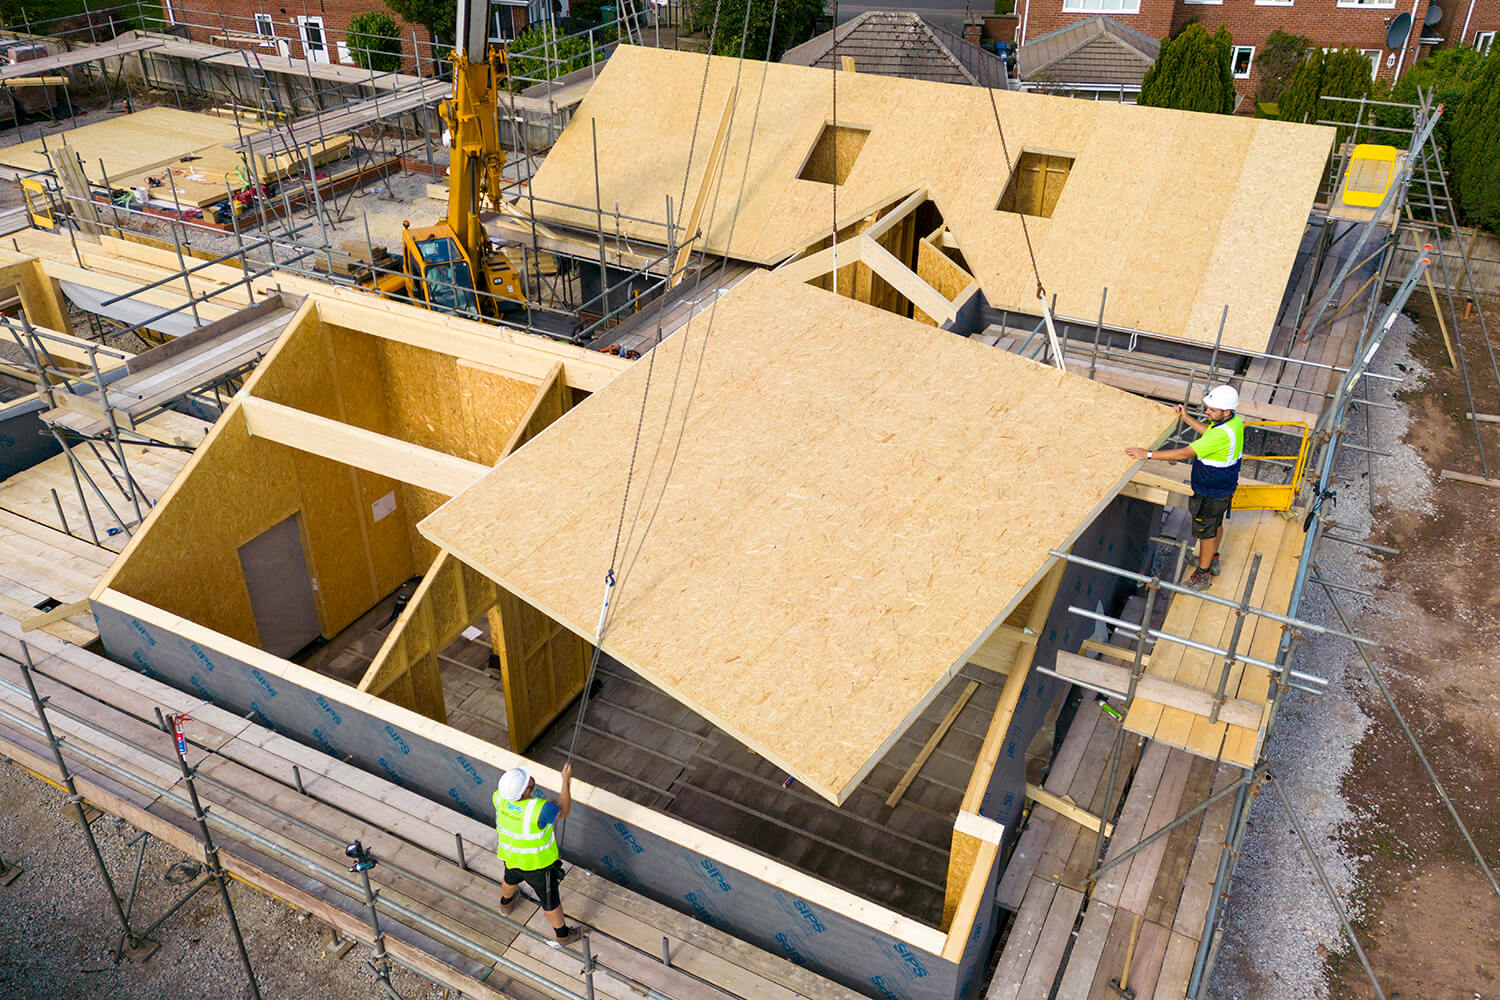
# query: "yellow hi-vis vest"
{"points": [[522, 842]]}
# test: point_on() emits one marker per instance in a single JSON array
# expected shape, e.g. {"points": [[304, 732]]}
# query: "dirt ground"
{"points": [[1429, 921], [58, 930]]}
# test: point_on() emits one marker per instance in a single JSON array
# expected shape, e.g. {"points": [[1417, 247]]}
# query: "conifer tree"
{"points": [[1476, 146], [1299, 102], [1346, 73], [1191, 73]]}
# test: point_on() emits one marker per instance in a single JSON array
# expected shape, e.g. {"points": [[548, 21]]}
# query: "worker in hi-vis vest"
{"points": [[1216, 458], [525, 824]]}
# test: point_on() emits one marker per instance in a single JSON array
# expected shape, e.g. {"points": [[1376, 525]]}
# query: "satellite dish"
{"points": [[1434, 15], [1400, 30]]}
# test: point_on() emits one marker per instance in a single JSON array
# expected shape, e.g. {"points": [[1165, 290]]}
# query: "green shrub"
{"points": [[795, 21], [1277, 60], [437, 16], [374, 41], [535, 55], [1447, 74], [1192, 73]]}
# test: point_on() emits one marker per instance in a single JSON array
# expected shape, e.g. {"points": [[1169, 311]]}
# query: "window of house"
{"points": [[264, 26], [1273, 3], [1241, 60], [1102, 6], [1483, 40], [1203, 2], [1368, 3], [1374, 56]]}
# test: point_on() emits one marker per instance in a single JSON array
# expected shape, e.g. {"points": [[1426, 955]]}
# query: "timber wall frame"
{"points": [[782, 909], [698, 873]]}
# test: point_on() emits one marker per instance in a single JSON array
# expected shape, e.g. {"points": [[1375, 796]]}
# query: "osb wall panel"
{"points": [[401, 391], [934, 267], [358, 559], [1176, 213], [542, 666], [300, 376], [845, 517], [189, 562], [437, 401], [419, 503], [356, 359], [492, 405]]}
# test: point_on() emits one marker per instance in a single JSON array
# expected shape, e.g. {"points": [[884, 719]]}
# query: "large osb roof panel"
{"points": [[832, 506], [1177, 213]]}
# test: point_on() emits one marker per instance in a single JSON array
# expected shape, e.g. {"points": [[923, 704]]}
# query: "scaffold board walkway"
{"points": [[1278, 540], [1167, 886], [77, 57], [285, 801]]}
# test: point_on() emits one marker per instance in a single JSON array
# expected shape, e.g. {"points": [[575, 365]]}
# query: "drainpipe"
{"points": [[1464, 35], [1026, 16], [1415, 28]]}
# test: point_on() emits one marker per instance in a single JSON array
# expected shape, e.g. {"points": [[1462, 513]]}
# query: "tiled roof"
{"points": [[1095, 51], [892, 43]]}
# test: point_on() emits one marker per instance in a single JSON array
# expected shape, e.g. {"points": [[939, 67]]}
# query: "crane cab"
{"points": [[439, 273]]}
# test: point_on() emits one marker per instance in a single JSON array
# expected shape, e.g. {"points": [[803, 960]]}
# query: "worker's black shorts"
{"points": [[1208, 514], [543, 882]]}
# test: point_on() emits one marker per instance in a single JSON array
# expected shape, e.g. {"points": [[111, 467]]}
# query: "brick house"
{"points": [[1359, 24], [317, 30]]}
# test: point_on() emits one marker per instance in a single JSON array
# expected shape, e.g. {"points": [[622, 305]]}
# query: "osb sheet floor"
{"points": [[637, 742], [851, 501], [30, 493]]}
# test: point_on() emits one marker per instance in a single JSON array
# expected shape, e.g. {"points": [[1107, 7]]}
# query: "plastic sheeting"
{"points": [[129, 311]]}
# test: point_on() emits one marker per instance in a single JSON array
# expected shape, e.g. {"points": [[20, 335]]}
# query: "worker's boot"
{"points": [[1213, 566], [1200, 579], [506, 905], [567, 936]]}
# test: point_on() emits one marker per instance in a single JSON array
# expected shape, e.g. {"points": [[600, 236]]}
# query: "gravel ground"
{"points": [[1280, 926], [57, 928]]}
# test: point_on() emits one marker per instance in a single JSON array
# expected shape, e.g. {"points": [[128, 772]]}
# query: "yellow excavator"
{"points": [[449, 266]]}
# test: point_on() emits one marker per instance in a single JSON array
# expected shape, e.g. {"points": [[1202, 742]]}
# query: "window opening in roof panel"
{"points": [[1036, 184], [834, 153]]}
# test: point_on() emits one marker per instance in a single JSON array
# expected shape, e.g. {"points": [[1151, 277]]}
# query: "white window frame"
{"points": [[265, 27], [1369, 4], [1102, 6], [1234, 55], [321, 53], [1273, 3], [1204, 3], [1483, 40]]}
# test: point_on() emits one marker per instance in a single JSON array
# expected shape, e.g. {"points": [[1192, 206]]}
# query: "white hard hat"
{"points": [[1222, 397], [513, 783]]}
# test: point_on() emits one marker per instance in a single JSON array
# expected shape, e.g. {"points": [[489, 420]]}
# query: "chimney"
{"points": [[973, 31]]}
